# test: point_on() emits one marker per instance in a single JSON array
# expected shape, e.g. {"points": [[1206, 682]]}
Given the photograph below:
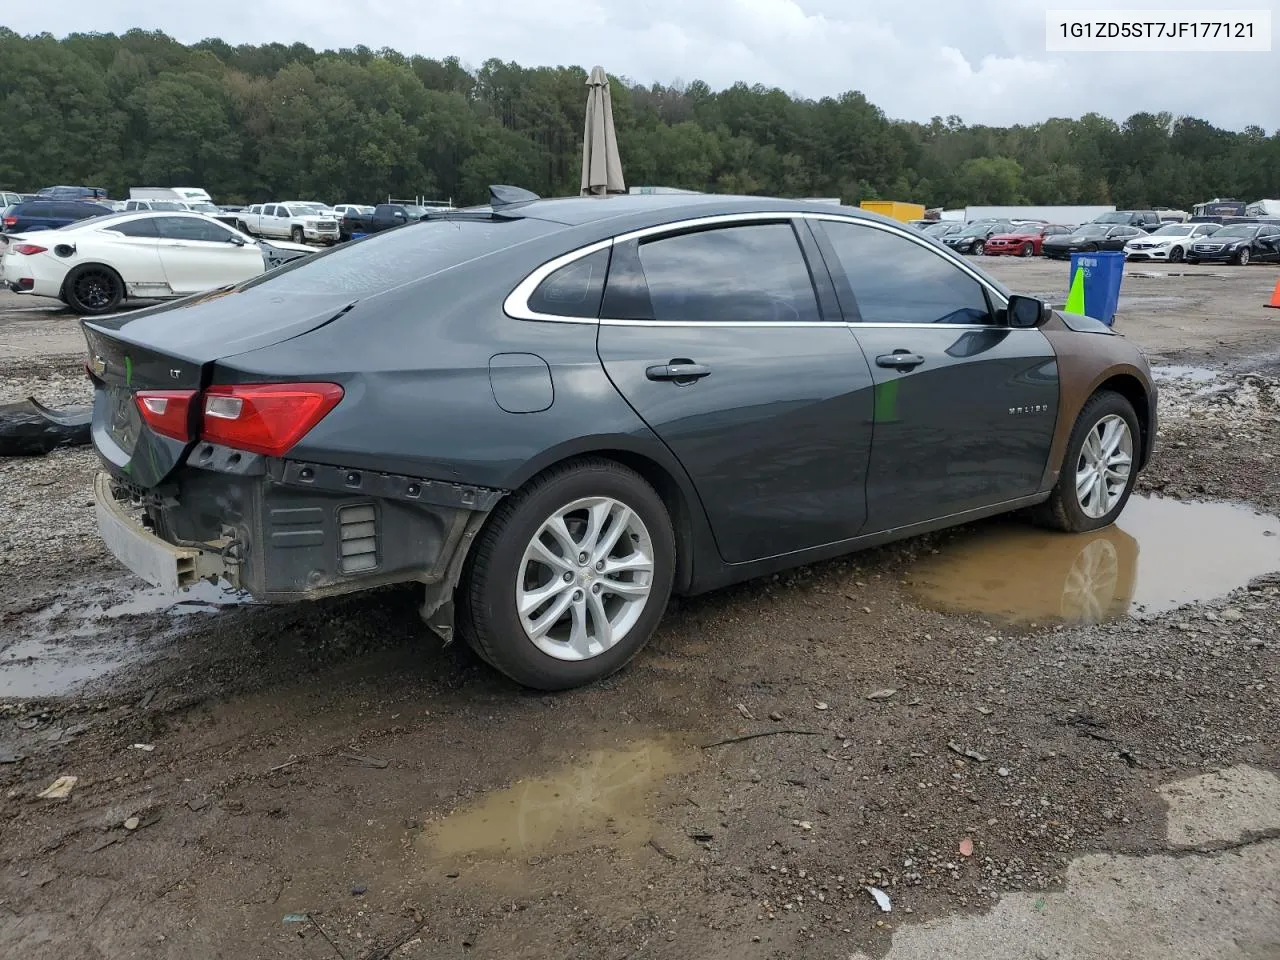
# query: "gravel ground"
{"points": [[330, 761]]}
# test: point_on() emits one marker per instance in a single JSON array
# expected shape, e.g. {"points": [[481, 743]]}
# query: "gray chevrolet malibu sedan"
{"points": [[553, 414]]}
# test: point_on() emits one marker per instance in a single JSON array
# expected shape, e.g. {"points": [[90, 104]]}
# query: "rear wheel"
{"points": [[297, 235], [1028, 249], [1242, 258], [570, 576], [1097, 473], [93, 289]]}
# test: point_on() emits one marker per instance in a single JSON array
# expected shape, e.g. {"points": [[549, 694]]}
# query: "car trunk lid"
{"points": [[170, 352]]}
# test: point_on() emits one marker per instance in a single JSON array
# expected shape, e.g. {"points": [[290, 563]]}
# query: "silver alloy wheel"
{"points": [[1244, 256], [1102, 472], [585, 578]]}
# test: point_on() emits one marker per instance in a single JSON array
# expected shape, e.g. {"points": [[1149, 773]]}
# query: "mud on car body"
{"points": [[557, 413]]}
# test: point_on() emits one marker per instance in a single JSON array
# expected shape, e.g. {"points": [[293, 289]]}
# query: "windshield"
{"points": [[978, 229], [939, 229], [303, 206], [1091, 231], [1174, 230], [1236, 230], [202, 207], [1116, 217]]}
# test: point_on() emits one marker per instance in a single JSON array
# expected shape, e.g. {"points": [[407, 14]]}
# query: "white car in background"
{"points": [[358, 209], [1169, 243], [94, 265]]}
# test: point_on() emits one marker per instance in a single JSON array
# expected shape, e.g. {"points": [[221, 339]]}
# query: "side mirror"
{"points": [[237, 241], [1024, 312]]}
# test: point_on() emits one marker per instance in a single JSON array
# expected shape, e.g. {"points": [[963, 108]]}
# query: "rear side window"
{"points": [[896, 280], [753, 273], [142, 227], [575, 289]]}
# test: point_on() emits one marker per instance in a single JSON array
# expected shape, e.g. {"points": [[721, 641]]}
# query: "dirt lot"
{"points": [[327, 781]]}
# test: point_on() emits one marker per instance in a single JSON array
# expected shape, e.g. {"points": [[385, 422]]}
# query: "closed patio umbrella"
{"points": [[601, 168]]}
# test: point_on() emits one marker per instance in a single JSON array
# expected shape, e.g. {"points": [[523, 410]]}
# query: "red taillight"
{"points": [[27, 249], [167, 412], [266, 418], [10, 221]]}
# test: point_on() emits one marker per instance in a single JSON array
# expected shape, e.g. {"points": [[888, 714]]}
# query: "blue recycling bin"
{"points": [[1100, 274]]}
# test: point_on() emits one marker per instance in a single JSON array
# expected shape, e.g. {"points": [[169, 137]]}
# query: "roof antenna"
{"points": [[502, 195]]}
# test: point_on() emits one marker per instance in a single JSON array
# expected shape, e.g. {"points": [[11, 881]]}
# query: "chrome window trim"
{"points": [[516, 304]]}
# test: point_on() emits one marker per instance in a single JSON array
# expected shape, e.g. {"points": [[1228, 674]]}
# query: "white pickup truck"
{"points": [[297, 221]]}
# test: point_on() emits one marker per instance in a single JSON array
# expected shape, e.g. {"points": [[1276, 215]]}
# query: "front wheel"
{"points": [[570, 576], [297, 235], [1027, 250], [93, 289], [1098, 470], [1242, 258], [1176, 255], [979, 248]]}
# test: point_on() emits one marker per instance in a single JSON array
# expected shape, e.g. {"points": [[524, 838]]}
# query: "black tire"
{"points": [[1027, 250], [297, 236], [487, 614], [1194, 261], [1242, 258], [1176, 255], [979, 248], [243, 227], [93, 289], [1062, 511]]}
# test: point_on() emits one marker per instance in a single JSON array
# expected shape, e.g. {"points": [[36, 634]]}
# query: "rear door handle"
{"points": [[899, 360], [677, 370]]}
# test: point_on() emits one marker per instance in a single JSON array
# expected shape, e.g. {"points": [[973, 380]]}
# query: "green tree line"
{"points": [[253, 123]]}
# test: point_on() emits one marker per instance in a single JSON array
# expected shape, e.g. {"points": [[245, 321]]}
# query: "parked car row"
{"points": [[1136, 233]]}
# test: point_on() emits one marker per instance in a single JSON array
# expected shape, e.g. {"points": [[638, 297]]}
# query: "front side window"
{"points": [[896, 280], [752, 273], [575, 289], [192, 229]]}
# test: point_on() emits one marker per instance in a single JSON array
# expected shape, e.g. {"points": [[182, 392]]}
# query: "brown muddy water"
{"points": [[1161, 554], [600, 797]]}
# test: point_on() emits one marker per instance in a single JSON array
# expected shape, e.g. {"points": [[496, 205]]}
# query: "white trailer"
{"points": [[186, 194], [1067, 216]]}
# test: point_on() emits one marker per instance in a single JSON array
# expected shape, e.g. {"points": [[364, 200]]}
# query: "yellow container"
{"points": [[895, 209]]}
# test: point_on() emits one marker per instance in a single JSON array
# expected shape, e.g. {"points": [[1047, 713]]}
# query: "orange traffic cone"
{"points": [[1275, 298]]}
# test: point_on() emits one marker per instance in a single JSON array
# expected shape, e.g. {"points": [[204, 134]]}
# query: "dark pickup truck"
{"points": [[384, 217]]}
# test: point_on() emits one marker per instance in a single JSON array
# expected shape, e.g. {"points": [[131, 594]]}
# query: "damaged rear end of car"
{"points": [[213, 466]]}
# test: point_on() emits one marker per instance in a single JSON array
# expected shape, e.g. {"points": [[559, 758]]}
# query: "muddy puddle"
{"points": [[600, 798], [85, 634], [1161, 554]]}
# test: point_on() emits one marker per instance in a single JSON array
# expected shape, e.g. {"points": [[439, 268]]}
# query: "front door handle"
{"points": [[899, 360], [679, 370]]}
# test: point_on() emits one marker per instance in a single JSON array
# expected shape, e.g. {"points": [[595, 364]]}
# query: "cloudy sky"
{"points": [[984, 60]]}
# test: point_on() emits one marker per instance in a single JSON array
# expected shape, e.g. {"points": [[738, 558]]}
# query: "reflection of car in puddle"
{"points": [[1162, 553], [605, 789], [1017, 573]]}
